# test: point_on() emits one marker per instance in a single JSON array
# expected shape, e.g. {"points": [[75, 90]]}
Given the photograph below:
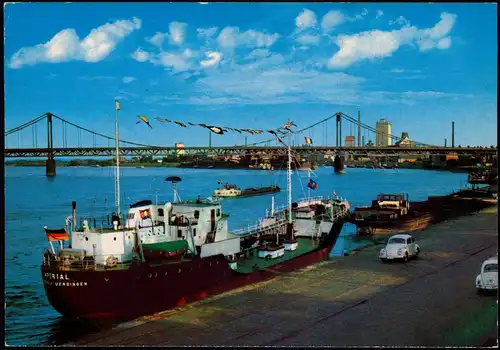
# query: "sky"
{"points": [[251, 65]]}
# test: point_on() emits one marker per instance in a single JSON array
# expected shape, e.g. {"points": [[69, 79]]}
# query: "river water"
{"points": [[32, 201]]}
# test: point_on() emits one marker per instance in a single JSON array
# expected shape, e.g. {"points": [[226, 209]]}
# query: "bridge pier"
{"points": [[338, 164], [50, 167]]}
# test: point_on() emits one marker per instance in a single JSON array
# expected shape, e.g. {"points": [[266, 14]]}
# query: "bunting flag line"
{"points": [[144, 119], [308, 140], [312, 184], [220, 129]]}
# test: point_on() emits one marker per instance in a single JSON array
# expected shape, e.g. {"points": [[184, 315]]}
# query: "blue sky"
{"points": [[252, 66]]}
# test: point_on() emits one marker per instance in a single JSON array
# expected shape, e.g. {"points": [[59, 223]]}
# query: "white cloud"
{"points": [[400, 20], [307, 39], [332, 19], [258, 53], [66, 45], [444, 43], [380, 13], [378, 44], [401, 70], [141, 55], [177, 32], [306, 19], [127, 80], [433, 37], [157, 39], [250, 84], [230, 37], [207, 32], [213, 59], [361, 15]]}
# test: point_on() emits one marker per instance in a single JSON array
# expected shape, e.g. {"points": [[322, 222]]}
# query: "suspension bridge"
{"points": [[38, 138]]}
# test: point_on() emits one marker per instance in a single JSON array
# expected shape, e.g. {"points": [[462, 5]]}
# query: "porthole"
{"points": [[114, 239]]}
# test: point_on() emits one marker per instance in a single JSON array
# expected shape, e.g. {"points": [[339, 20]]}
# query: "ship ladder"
{"points": [[316, 229]]}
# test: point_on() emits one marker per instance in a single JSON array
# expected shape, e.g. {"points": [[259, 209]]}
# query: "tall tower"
{"points": [[383, 130]]}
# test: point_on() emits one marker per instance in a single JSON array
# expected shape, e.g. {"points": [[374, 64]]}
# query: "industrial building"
{"points": [[349, 141], [383, 130]]}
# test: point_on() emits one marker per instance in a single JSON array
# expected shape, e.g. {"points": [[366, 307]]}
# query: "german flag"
{"points": [[56, 235]]}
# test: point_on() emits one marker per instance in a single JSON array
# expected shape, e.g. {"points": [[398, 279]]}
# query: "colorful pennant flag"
{"points": [[191, 123], [145, 120], [272, 132], [56, 235], [181, 124], [216, 130], [312, 184], [309, 141], [163, 120]]}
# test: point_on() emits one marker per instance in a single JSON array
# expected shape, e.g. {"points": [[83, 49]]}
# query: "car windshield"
{"points": [[397, 241], [491, 268]]}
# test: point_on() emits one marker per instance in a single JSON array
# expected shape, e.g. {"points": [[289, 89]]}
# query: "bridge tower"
{"points": [[338, 130], [50, 163]]}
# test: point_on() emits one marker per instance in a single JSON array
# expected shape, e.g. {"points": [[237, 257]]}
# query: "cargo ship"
{"points": [[231, 190], [394, 213], [162, 256]]}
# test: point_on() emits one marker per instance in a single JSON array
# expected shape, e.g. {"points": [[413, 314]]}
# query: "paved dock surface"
{"points": [[353, 300]]}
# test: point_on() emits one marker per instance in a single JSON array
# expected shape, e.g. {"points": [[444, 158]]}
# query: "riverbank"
{"points": [[350, 300]]}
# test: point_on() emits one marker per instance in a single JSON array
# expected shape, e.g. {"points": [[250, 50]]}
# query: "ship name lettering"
{"points": [[56, 276]]}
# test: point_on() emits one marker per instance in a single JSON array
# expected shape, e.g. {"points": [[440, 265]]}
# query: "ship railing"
{"points": [[252, 229], [69, 262]]}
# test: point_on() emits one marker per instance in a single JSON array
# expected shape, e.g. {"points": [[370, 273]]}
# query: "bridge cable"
{"points": [[102, 135], [20, 127]]}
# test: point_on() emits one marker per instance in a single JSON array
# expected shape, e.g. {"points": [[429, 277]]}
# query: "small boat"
{"points": [[231, 190]]}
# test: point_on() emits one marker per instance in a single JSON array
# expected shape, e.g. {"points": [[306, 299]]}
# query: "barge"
{"points": [[401, 215], [231, 190]]}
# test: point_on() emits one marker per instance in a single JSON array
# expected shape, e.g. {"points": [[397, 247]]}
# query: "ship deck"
{"points": [[247, 265], [350, 300]]}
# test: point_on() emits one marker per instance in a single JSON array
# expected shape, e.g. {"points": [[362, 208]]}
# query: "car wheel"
{"points": [[406, 257], [416, 253], [383, 260], [479, 291]]}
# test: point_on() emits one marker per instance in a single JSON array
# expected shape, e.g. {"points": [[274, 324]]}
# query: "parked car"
{"points": [[401, 246], [487, 280]]}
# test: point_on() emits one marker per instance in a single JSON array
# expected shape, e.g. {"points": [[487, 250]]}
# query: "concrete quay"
{"points": [[346, 301]]}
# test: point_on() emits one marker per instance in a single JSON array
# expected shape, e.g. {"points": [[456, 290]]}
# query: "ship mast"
{"points": [[289, 179], [117, 170]]}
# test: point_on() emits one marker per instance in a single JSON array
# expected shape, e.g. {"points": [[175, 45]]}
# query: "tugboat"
{"points": [[230, 190], [167, 255]]}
